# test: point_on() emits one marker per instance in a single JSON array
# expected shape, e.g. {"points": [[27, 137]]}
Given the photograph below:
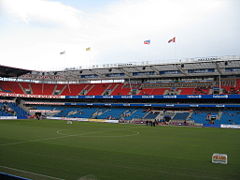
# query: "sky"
{"points": [[33, 33]]}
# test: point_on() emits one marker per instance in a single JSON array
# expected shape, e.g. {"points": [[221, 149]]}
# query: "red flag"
{"points": [[147, 41], [173, 40]]}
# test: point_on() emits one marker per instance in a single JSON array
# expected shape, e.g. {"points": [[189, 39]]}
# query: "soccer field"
{"points": [[51, 149]]}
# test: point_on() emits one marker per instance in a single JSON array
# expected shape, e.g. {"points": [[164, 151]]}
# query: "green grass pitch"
{"points": [[98, 151]]}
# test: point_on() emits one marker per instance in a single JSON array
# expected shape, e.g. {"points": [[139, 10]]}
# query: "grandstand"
{"points": [[189, 90], [200, 92]]}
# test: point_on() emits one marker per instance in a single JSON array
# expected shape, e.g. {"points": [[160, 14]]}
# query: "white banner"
{"points": [[83, 119], [68, 119], [8, 101], [46, 103], [31, 95], [230, 126], [44, 111], [8, 117]]}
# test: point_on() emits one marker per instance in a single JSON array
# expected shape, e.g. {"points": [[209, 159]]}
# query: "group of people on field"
{"points": [[152, 123]]}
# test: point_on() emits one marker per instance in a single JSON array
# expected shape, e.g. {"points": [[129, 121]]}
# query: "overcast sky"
{"points": [[34, 32]]}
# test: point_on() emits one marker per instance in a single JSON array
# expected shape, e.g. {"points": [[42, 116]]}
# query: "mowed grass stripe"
{"points": [[155, 153]]}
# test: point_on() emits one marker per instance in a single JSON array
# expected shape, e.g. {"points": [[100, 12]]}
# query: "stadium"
{"points": [[119, 90], [122, 121]]}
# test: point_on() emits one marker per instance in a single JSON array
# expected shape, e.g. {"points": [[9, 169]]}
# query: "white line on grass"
{"points": [[31, 173], [83, 135], [66, 136], [35, 140]]}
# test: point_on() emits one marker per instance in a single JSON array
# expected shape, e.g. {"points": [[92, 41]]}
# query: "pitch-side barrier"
{"points": [[84, 119]]}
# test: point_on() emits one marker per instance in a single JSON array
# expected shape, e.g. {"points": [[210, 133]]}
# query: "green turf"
{"points": [[102, 151]]}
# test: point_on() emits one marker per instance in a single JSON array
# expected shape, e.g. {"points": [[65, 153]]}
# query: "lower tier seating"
{"points": [[197, 116]]}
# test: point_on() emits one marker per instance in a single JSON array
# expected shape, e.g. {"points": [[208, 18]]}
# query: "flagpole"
{"points": [[175, 50], [147, 43], [62, 55], [148, 52], [90, 58]]}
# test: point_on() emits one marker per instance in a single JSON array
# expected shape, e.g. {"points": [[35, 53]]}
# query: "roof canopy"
{"points": [[6, 71], [218, 66]]}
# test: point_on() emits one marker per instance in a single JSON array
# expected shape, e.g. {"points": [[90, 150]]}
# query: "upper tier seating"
{"points": [[186, 91], [97, 89], [10, 87], [120, 90], [228, 87], [73, 89], [48, 89]]}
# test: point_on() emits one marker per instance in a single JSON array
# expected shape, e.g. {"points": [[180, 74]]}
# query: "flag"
{"points": [[62, 52], [173, 40], [147, 42], [88, 49]]}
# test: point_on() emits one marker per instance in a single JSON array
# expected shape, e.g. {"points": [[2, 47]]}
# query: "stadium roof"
{"points": [[6, 71], [215, 66]]}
